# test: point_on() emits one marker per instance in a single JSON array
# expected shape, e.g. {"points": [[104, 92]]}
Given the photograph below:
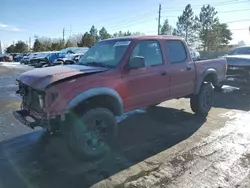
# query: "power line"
{"points": [[151, 20], [233, 11], [139, 17], [124, 23], [134, 20], [219, 4], [126, 26], [211, 3], [143, 16], [142, 22], [235, 21], [221, 12], [239, 29]]}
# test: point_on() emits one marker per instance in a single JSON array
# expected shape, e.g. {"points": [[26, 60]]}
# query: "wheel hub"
{"points": [[96, 130]]}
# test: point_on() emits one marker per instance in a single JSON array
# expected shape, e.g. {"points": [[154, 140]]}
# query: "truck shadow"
{"points": [[33, 160]]}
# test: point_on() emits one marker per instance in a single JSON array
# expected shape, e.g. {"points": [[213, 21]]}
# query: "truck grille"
{"points": [[30, 98]]}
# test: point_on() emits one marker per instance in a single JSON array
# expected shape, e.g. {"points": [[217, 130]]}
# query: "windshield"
{"points": [[80, 50], [241, 51], [32, 55], [106, 53], [73, 50], [43, 54]]}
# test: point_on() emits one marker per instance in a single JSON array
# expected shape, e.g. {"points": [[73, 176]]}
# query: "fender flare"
{"points": [[201, 79], [96, 92]]}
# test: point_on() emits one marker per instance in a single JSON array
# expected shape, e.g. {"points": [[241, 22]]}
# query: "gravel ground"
{"points": [[167, 146]]}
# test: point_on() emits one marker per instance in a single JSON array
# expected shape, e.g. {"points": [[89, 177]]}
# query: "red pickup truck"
{"points": [[115, 76]]}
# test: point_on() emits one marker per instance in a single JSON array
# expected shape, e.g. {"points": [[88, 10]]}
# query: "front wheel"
{"points": [[90, 133], [202, 103]]}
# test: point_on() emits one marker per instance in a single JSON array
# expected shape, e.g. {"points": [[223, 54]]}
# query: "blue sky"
{"points": [[21, 19]]}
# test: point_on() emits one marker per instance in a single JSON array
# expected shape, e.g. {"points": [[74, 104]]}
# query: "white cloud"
{"points": [[3, 25], [9, 27]]}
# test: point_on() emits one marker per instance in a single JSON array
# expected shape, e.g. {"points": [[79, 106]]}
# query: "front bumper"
{"points": [[38, 120], [25, 118]]}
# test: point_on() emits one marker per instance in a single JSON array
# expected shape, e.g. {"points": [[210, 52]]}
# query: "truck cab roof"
{"points": [[147, 37]]}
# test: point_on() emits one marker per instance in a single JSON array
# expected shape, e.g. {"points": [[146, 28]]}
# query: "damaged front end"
{"points": [[39, 96], [32, 112]]}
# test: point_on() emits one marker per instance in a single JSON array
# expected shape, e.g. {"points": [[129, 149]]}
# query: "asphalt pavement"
{"points": [[165, 146]]}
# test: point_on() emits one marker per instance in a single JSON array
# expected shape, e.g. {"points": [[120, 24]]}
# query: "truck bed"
{"points": [[219, 65]]}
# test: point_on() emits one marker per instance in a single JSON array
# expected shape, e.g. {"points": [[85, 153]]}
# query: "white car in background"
{"points": [[195, 55]]}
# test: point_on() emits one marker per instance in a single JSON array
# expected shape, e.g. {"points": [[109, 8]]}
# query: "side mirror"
{"points": [[136, 62]]}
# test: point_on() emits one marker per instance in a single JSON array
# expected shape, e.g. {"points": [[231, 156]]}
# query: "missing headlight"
{"points": [[41, 101]]}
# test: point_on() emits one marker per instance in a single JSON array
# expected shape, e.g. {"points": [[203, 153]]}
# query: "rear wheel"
{"points": [[202, 103], [91, 133]]}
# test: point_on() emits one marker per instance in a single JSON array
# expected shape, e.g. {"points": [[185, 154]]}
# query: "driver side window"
{"points": [[151, 52]]}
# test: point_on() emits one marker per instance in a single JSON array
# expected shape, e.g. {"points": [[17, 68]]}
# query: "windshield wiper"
{"points": [[97, 64]]}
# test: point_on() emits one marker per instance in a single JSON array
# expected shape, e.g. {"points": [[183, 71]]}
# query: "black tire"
{"points": [[202, 103], [90, 134]]}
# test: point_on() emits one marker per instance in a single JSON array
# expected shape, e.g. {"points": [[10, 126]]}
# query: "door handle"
{"points": [[188, 68], [163, 73]]}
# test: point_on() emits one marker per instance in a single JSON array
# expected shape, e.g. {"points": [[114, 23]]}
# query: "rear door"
{"points": [[150, 84], [182, 68]]}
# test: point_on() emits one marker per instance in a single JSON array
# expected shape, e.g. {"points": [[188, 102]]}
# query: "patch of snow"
{"points": [[228, 89], [15, 65]]}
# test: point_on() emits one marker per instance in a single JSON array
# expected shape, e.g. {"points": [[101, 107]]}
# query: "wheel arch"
{"points": [[210, 76], [104, 96]]}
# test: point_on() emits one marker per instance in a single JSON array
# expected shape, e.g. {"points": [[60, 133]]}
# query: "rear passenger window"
{"points": [[176, 51]]}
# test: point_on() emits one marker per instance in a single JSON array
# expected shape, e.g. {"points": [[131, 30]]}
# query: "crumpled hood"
{"points": [[69, 56], [43, 77], [238, 56], [238, 60]]}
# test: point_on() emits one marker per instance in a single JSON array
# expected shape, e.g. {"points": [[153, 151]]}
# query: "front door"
{"points": [[150, 84]]}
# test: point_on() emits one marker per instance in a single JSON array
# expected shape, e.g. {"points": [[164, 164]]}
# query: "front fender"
{"points": [[96, 92]]}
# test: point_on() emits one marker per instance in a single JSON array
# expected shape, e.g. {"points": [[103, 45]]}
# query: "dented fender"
{"points": [[97, 92]]}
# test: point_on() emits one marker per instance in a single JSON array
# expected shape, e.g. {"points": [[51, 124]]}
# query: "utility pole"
{"points": [[29, 43], [159, 20], [63, 34]]}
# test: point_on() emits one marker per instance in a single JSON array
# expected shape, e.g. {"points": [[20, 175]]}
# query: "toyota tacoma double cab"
{"points": [[113, 77]]}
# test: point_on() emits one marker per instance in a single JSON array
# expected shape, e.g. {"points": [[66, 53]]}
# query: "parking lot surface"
{"points": [[165, 146]]}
